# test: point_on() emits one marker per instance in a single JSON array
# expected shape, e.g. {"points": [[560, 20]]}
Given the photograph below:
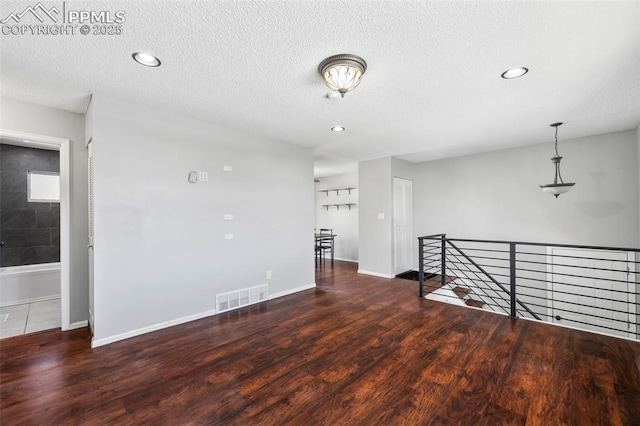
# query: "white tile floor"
{"points": [[30, 317]]}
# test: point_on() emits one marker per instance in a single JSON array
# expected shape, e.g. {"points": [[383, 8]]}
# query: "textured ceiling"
{"points": [[432, 88]]}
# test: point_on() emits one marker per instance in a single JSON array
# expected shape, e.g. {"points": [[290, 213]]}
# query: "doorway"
{"points": [[402, 225], [30, 140]]}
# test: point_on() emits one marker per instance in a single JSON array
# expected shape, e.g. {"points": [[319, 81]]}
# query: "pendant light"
{"points": [[556, 188]]}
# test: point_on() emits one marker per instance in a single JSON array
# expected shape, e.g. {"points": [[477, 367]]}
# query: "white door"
{"points": [[604, 302], [90, 230], [402, 225]]}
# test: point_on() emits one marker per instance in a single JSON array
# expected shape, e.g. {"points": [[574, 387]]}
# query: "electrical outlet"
{"points": [[268, 275], [203, 177], [228, 236]]}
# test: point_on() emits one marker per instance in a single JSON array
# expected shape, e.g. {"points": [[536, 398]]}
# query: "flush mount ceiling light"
{"points": [[342, 73], [146, 59], [556, 188], [337, 129], [514, 73]]}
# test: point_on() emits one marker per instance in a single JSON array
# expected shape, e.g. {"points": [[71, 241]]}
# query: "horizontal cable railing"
{"points": [[584, 286]]}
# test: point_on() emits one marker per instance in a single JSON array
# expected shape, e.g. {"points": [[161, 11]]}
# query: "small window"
{"points": [[43, 187]]}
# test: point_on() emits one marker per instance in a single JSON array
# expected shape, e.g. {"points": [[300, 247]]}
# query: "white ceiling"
{"points": [[432, 88]]}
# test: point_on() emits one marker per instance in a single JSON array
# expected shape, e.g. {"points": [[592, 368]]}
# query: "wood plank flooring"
{"points": [[357, 350]]}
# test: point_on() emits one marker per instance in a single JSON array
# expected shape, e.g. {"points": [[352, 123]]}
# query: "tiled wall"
{"points": [[30, 231]]}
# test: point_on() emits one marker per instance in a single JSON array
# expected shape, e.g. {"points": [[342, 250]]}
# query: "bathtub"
{"points": [[29, 283]]}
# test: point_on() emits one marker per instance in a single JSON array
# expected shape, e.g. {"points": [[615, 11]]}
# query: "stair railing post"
{"points": [[512, 277], [443, 261], [421, 266]]}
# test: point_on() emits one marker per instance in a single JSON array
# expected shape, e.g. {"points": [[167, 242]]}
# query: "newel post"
{"points": [[443, 262], [512, 277], [421, 266]]}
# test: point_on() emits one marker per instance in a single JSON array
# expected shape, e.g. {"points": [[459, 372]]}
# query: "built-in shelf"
{"points": [[337, 206], [337, 190]]}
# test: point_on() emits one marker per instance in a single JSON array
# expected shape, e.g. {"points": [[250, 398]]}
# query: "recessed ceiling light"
{"points": [[514, 73], [146, 59], [337, 129]]}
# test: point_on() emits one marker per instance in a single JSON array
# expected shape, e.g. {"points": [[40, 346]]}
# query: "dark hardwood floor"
{"points": [[357, 350]]}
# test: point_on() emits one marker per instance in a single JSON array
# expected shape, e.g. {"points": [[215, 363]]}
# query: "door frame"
{"points": [[90, 232], [32, 140], [633, 333]]}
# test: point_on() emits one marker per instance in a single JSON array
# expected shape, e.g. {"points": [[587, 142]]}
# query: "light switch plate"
{"points": [[227, 168], [268, 275], [228, 217], [228, 236], [380, 216]]}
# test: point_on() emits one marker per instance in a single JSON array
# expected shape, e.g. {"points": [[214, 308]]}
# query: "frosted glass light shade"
{"points": [[342, 77], [557, 188], [342, 73]]}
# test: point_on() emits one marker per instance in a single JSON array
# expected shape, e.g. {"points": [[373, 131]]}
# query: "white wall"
{"points": [[30, 118], [160, 252], [343, 221], [496, 195], [375, 198], [638, 172], [638, 254], [402, 169], [375, 178]]}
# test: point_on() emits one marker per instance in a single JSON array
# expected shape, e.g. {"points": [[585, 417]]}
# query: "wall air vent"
{"points": [[239, 298]]}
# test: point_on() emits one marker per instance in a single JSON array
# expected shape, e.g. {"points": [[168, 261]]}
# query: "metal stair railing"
{"points": [[452, 257], [474, 282], [494, 281], [591, 287]]}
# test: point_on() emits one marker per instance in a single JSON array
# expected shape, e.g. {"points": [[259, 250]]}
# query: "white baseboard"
{"points": [[376, 274], [78, 324], [32, 300], [346, 260], [567, 326], [155, 327], [291, 291], [148, 329]]}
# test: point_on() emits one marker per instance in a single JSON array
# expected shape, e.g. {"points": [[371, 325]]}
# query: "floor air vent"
{"points": [[244, 297]]}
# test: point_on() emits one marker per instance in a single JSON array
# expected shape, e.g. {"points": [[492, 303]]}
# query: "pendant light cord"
{"points": [[557, 155]]}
